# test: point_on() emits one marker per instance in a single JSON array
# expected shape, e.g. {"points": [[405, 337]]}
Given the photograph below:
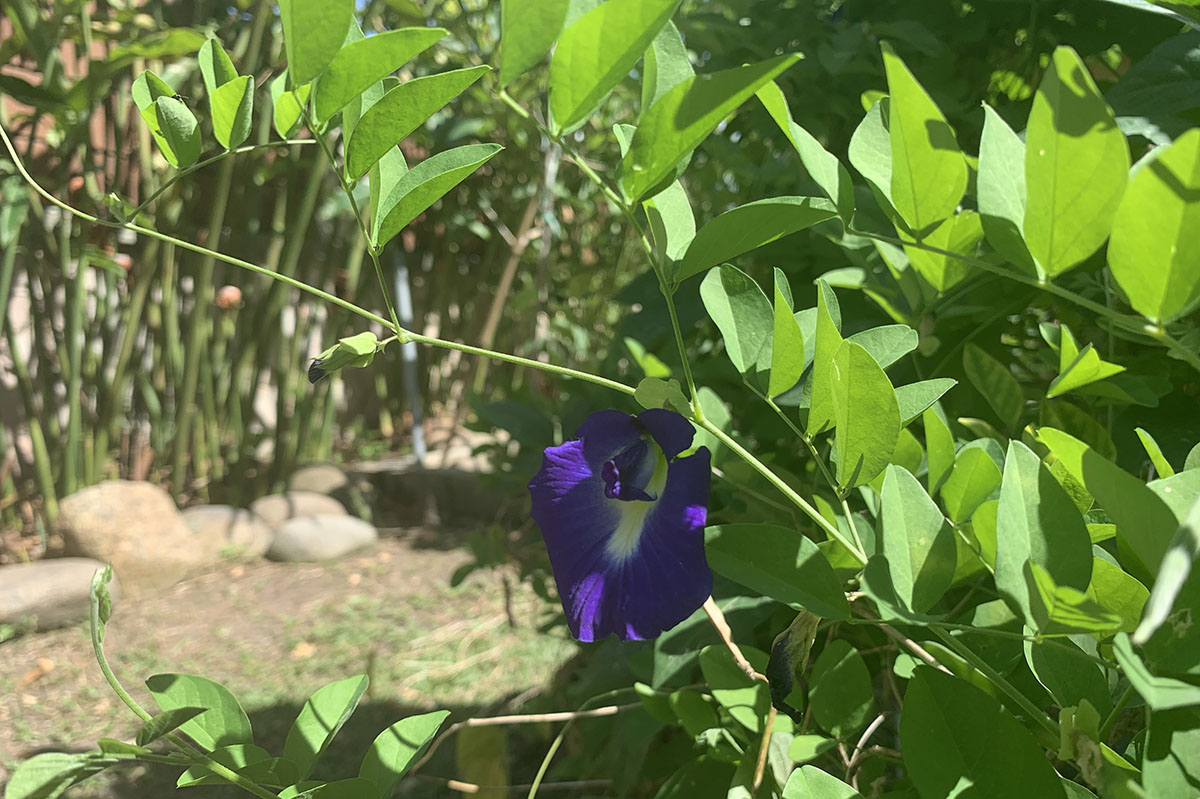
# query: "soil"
{"points": [[275, 632]]}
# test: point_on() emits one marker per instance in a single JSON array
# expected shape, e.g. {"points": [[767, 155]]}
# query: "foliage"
{"points": [[1004, 588]]}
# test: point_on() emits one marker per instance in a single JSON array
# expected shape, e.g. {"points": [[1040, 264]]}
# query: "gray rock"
{"points": [[135, 527], [48, 593], [319, 478], [227, 532], [309, 538], [278, 508]]}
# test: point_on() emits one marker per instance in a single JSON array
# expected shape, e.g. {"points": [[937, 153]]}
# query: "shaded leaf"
{"points": [[528, 29], [866, 415], [995, 382], [395, 749], [741, 312], [313, 32], [1001, 189], [222, 724], [916, 540], [319, 720], [362, 63]]}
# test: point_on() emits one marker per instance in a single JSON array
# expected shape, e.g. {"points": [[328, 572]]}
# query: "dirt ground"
{"points": [[275, 632]]}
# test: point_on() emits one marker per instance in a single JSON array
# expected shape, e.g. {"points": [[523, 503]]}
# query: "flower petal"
{"points": [[670, 431], [638, 587]]}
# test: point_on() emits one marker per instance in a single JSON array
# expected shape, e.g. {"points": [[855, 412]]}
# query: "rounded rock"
{"points": [[319, 478], [135, 527], [228, 532], [316, 538], [48, 594], [276, 509]]}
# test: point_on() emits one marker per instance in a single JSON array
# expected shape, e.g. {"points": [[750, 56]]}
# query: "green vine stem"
{"points": [[100, 588]]}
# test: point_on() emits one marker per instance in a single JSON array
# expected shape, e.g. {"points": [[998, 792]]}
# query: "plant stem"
{"points": [[1034, 713], [774, 479], [196, 347]]}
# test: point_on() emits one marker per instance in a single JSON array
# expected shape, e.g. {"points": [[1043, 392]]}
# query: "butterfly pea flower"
{"points": [[623, 519]]}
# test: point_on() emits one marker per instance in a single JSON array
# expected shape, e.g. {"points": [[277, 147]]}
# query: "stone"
{"points": [[135, 527], [322, 537], [227, 532], [319, 478], [48, 594], [276, 509]]}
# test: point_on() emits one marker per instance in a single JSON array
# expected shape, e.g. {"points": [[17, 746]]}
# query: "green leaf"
{"points": [[671, 222], [887, 343], [749, 226], [747, 700], [961, 234], [955, 735], [1001, 189], [249, 760], [426, 183], [1082, 424], [1155, 252], [674, 126], [360, 64], [319, 720], [804, 748], [1078, 368], [595, 53], [399, 112], [1060, 610], [1160, 693], [111, 746], [694, 713], [915, 398], [232, 105], [866, 414], [702, 778], [995, 382], [313, 33], [1162, 466], [528, 29], [1068, 678], [974, 477], [741, 312], [1037, 520], [1192, 461], [1173, 576], [822, 166], [163, 723], [1145, 524], [354, 788], [939, 446], [650, 364], [929, 173], [810, 782], [1171, 765], [655, 393], [779, 563], [827, 341], [215, 66], [1076, 167], [180, 133], [48, 775], [1164, 81], [1118, 592], [223, 723], [287, 106], [397, 748], [916, 540], [841, 697], [870, 152], [666, 65], [787, 341]]}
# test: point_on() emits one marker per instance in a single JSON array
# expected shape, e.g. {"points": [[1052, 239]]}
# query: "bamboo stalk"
{"points": [[199, 323]]}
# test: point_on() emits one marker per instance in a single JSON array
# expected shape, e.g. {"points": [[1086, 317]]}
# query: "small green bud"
{"points": [[356, 350]]}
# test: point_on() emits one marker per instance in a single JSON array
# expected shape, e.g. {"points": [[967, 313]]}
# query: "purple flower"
{"points": [[623, 520]]}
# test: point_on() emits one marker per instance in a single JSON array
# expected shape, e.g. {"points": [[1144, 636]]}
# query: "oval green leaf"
{"points": [[426, 183], [929, 173], [179, 133], [401, 111], [917, 541], [866, 415], [222, 724], [674, 126], [1076, 167], [360, 64], [319, 720], [313, 33], [232, 105], [596, 52], [779, 563], [528, 29], [1155, 250], [748, 226], [397, 747], [741, 312]]}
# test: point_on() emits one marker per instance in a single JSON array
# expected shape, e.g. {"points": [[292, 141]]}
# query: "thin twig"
{"points": [[722, 627]]}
